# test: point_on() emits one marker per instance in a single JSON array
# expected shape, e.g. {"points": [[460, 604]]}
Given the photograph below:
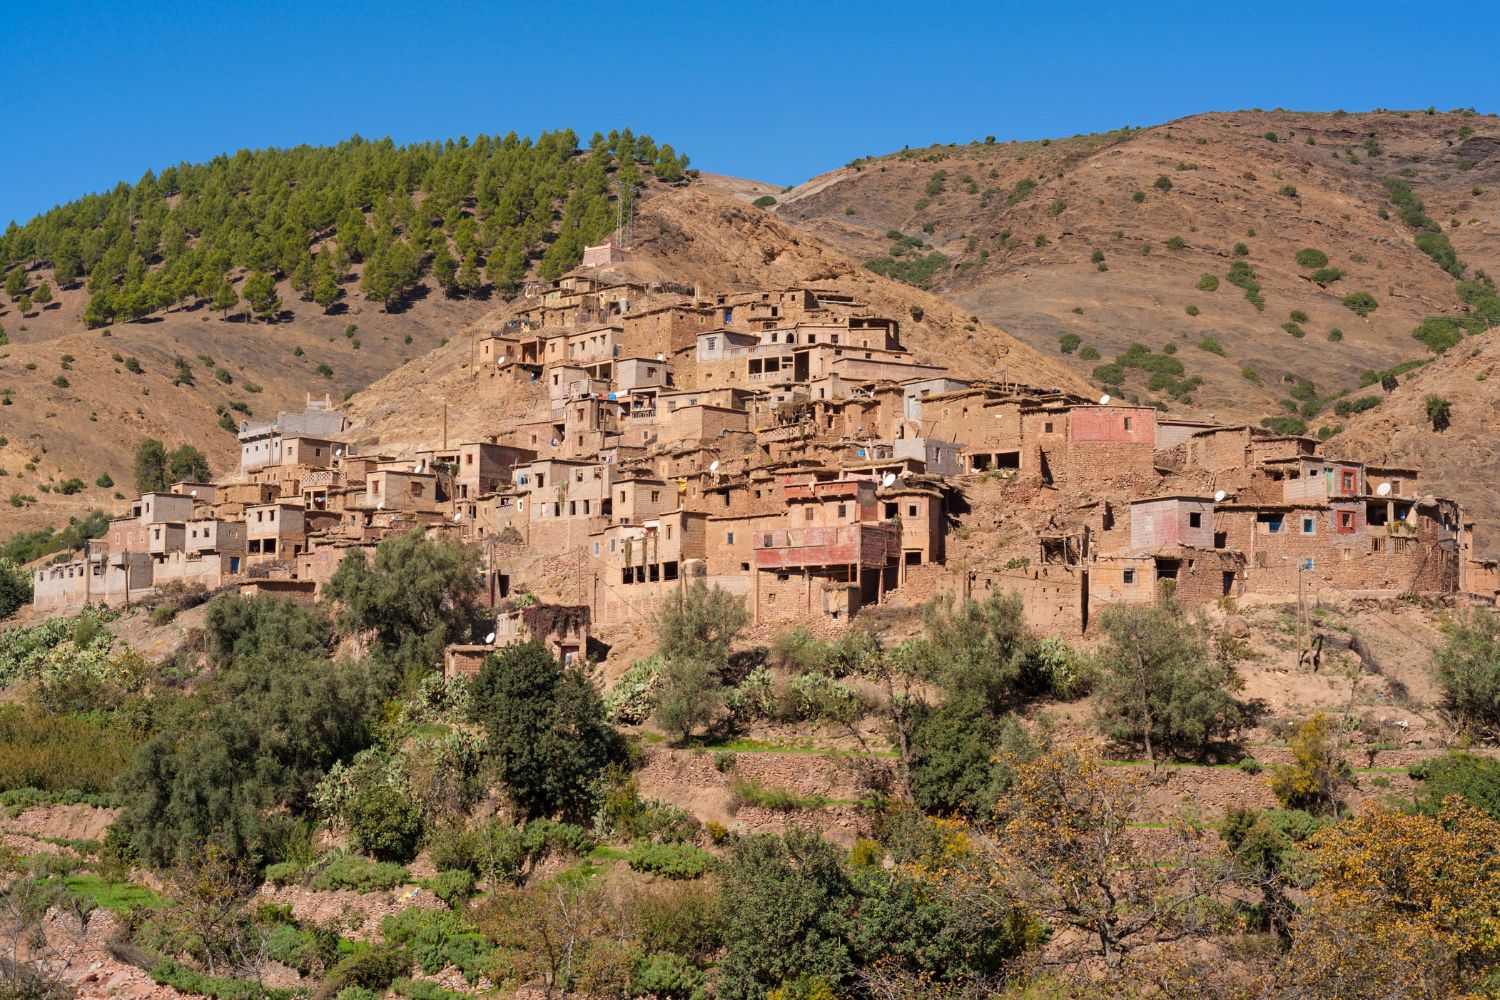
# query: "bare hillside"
{"points": [[90, 423], [1108, 238]]}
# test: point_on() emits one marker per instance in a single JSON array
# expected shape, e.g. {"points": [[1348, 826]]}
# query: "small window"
{"points": [[1346, 521], [807, 513], [911, 510], [1195, 520], [1309, 526], [843, 511], [1129, 576], [1128, 423], [728, 538], [1047, 427]]}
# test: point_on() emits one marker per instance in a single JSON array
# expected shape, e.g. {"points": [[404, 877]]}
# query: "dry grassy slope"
{"points": [[1213, 204], [95, 424], [1463, 461], [697, 235]]}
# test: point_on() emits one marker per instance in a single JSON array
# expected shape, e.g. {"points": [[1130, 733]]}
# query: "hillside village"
{"points": [[785, 446]]}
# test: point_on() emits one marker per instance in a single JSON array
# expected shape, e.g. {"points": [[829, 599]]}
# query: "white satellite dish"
{"points": [[458, 515], [501, 362], [338, 452], [1104, 400], [380, 505], [713, 466], [1384, 489], [194, 493], [489, 640], [661, 357], [1219, 496], [889, 480]]}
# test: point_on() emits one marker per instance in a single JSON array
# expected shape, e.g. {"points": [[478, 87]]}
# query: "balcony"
{"points": [[874, 543]]}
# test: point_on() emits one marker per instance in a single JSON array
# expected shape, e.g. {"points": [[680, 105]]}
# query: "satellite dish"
{"points": [[489, 640], [1219, 496], [417, 467], [194, 493], [1104, 400], [1384, 489], [338, 452], [380, 505], [661, 357], [501, 362], [889, 480], [713, 466], [458, 515]]}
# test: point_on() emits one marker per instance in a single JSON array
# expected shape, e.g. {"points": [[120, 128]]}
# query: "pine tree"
{"points": [[445, 269], [43, 295], [260, 295], [225, 298], [468, 275], [325, 288], [15, 283]]}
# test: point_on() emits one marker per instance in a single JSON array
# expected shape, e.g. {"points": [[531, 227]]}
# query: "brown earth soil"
{"points": [[1226, 178]]}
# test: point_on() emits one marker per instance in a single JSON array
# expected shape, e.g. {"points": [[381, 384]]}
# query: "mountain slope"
{"points": [[1463, 459], [376, 253], [701, 236], [1080, 237]]}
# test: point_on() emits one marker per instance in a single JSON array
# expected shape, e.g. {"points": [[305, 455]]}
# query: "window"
{"points": [[1047, 427], [1309, 526], [1346, 521], [1129, 576], [766, 541], [1127, 423], [655, 496], [1348, 480], [728, 538], [911, 510], [843, 511], [807, 513], [596, 548], [1195, 520]]}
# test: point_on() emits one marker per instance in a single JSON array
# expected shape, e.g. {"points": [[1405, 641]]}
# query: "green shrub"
{"points": [[170, 973], [1068, 343], [1211, 345], [133, 366], [1110, 374], [371, 969], [1176, 242], [1327, 275], [1241, 250], [1475, 778], [764, 201], [1439, 412], [1191, 310], [452, 887], [914, 270], [382, 822], [750, 792], [1208, 283], [1361, 303], [1349, 407], [1163, 183], [424, 989], [1294, 330], [674, 861], [1335, 335], [104, 481], [1309, 257], [1284, 425], [1138, 197], [350, 871], [1089, 354]]}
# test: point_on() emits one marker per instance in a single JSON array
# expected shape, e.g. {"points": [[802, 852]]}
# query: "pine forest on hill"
{"points": [[472, 212]]}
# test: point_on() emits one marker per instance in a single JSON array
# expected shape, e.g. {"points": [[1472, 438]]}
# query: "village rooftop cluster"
{"points": [[787, 447]]}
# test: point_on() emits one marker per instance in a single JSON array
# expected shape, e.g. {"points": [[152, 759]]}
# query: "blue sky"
{"points": [[778, 91]]}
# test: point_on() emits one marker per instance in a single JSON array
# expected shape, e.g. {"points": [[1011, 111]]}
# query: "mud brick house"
{"points": [[833, 553], [261, 443]]}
